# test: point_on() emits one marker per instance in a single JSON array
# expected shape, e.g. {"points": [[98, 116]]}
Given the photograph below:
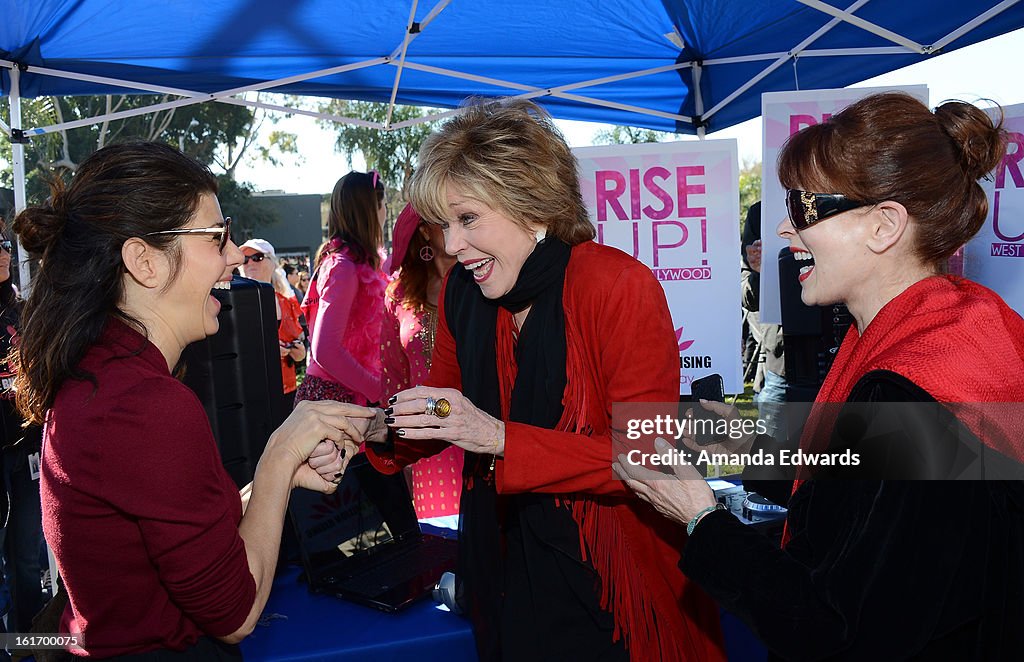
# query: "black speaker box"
{"points": [[811, 334], [237, 375]]}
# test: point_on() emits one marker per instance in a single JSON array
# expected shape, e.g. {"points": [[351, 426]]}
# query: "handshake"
{"points": [[320, 439]]}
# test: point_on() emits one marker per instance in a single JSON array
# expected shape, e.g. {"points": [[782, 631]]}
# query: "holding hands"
{"points": [[424, 412], [319, 439]]}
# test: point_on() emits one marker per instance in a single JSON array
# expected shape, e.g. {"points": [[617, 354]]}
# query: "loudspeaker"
{"points": [[811, 334], [237, 375]]}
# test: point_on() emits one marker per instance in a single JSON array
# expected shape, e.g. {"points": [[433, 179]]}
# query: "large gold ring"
{"points": [[442, 408]]}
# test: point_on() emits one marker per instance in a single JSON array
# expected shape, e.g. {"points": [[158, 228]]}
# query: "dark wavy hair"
{"points": [[892, 147], [414, 276], [121, 191], [7, 294], [353, 218]]}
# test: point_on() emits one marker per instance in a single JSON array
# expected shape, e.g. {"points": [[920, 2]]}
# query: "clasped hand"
{"points": [[321, 438]]}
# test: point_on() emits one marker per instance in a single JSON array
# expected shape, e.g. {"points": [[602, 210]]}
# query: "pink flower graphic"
{"points": [[683, 344]]}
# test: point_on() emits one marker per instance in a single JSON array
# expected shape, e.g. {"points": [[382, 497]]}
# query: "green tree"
{"points": [[392, 153], [246, 212], [750, 186], [215, 134], [627, 135]]}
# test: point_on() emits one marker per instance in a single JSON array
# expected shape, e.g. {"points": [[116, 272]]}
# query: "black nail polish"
{"points": [[393, 399], [389, 411], [339, 474], [389, 420], [342, 453], [400, 433]]}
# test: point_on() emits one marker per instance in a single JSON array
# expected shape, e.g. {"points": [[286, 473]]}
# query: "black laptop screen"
{"points": [[368, 509]]}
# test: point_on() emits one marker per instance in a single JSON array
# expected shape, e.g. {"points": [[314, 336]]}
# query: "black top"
{"points": [[877, 569]]}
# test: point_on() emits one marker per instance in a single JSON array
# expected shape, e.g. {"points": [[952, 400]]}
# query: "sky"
{"points": [[984, 70]]}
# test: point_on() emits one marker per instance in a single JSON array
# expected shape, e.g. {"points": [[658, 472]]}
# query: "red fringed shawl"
{"points": [[656, 609], [955, 339]]}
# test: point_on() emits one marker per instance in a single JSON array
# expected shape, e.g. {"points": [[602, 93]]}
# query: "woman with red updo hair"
{"points": [[898, 563]]}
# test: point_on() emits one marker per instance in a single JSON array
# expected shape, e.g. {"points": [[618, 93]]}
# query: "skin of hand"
{"points": [[467, 426], [730, 445], [754, 256], [329, 458], [310, 424], [678, 497]]}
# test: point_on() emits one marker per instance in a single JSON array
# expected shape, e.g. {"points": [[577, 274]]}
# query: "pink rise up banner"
{"points": [[995, 257], [675, 207]]}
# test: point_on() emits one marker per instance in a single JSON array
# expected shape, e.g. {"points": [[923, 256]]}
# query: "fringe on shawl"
{"points": [[603, 542]]}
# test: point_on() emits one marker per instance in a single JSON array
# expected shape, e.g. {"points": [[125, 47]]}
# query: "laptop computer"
{"points": [[363, 543]]}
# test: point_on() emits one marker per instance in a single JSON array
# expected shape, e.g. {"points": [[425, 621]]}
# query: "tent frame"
{"points": [[398, 58]]}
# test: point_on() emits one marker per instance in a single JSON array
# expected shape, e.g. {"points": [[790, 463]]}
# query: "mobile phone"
{"points": [[709, 388]]}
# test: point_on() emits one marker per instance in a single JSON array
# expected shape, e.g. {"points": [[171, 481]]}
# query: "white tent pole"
{"points": [[117, 116], [18, 158], [834, 52], [438, 8], [193, 97], [698, 99], [614, 79], [401, 62], [531, 92], [619, 106], [3, 127], [191, 93], [341, 119], [778, 63], [970, 25], [298, 78], [426, 118], [472, 77], [821, 52], [848, 17], [255, 87]]}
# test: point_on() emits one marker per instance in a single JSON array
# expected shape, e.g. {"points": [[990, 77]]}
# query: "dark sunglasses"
{"points": [[223, 230], [806, 209], [7, 245], [258, 257]]}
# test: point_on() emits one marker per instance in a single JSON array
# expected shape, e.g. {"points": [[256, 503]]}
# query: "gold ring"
{"points": [[442, 408]]}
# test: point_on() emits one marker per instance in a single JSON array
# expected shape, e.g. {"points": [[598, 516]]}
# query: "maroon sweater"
{"points": [[137, 507]]}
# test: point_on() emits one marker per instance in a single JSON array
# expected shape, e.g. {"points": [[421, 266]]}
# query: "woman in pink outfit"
{"points": [[343, 305], [421, 263]]}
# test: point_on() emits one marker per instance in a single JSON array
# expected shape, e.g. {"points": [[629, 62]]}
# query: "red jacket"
{"points": [[621, 348]]}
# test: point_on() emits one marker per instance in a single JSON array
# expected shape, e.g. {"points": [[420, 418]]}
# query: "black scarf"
{"points": [[536, 400], [540, 353]]}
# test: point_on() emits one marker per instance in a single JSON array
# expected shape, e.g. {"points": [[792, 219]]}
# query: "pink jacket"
{"points": [[344, 308]]}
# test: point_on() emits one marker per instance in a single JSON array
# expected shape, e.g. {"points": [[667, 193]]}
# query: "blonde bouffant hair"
{"points": [[509, 155]]}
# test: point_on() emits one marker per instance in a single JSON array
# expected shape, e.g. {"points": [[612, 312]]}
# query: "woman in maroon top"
{"points": [[157, 549]]}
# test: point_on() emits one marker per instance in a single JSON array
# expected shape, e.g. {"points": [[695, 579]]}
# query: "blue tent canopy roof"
{"points": [[490, 48]]}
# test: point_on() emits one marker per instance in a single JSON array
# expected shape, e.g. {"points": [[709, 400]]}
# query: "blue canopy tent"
{"points": [[672, 65], [687, 66]]}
